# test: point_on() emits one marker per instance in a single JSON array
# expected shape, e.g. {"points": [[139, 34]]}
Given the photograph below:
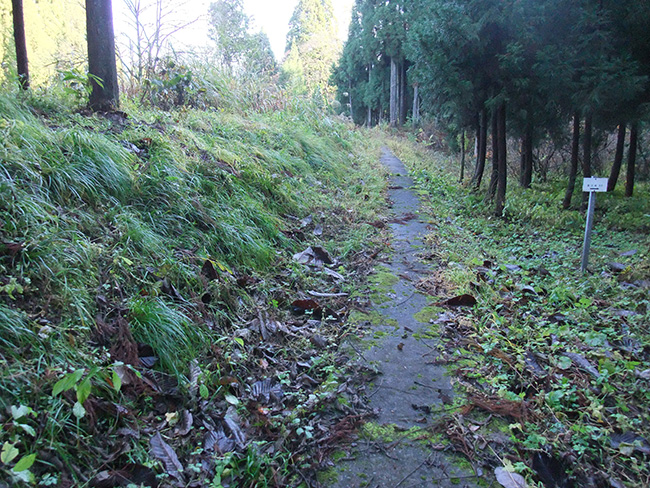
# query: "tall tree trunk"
{"points": [[101, 55], [631, 159], [416, 104], [462, 156], [586, 155], [526, 175], [575, 159], [394, 94], [369, 113], [350, 98], [21, 43], [503, 160], [618, 158], [494, 176], [482, 149], [403, 109]]}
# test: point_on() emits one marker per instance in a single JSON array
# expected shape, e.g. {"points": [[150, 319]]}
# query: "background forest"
{"points": [[550, 74]]}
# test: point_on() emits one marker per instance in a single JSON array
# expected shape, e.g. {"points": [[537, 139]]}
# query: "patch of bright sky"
{"points": [[270, 16]]}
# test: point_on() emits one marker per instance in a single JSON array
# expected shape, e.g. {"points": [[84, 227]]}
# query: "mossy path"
{"points": [[398, 447]]}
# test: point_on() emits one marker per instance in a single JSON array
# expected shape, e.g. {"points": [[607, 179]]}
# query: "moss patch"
{"points": [[427, 314], [382, 282], [373, 318]]}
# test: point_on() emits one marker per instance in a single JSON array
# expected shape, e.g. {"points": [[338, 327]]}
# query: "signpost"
{"points": [[593, 186]]}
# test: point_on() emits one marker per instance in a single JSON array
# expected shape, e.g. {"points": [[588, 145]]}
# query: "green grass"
{"points": [[114, 221]]}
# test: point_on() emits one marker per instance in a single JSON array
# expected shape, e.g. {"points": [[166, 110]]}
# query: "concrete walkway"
{"points": [[409, 390]]}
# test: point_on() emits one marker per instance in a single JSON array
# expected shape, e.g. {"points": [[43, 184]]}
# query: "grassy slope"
{"points": [[160, 235], [585, 412]]}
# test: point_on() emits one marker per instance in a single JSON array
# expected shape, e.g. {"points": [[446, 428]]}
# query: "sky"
{"points": [[270, 16]]}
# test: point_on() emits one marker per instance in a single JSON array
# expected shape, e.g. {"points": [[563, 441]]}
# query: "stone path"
{"points": [[397, 456]]}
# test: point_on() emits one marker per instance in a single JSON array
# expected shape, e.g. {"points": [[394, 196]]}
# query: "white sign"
{"points": [[594, 184]]}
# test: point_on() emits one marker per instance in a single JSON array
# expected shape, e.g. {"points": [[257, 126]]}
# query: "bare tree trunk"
{"points": [[631, 159], [503, 160], [394, 98], [482, 142], [101, 55], [494, 176], [21, 43], [416, 104], [586, 155], [618, 157], [526, 175], [403, 109], [575, 156], [350, 98], [369, 113], [462, 156]]}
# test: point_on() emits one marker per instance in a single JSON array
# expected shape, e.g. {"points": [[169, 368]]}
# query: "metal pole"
{"points": [[590, 224]]}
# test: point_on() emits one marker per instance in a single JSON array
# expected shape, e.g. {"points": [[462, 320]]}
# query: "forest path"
{"points": [[397, 447]]}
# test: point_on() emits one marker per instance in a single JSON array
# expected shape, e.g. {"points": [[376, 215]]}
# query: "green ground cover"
{"points": [[563, 356]]}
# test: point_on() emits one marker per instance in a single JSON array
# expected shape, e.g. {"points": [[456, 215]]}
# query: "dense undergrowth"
{"points": [[144, 260], [562, 356]]}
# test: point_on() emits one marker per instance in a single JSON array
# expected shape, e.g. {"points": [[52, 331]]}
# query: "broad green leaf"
{"points": [[232, 399], [9, 453], [25, 476], [24, 463], [203, 391], [239, 341], [20, 412], [78, 410], [564, 362], [83, 390], [67, 382], [117, 381], [27, 428]]}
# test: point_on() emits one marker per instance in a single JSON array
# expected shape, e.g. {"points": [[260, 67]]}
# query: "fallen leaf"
{"points": [[628, 442], [333, 274], [165, 453], [644, 375], [581, 361], [533, 366], [208, 270], [527, 290], [508, 479], [11, 248], [313, 256], [629, 253], [231, 420], [300, 307], [318, 341], [265, 390], [184, 424], [617, 267], [218, 439], [551, 470], [327, 295], [461, 301], [306, 221], [130, 474]]}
